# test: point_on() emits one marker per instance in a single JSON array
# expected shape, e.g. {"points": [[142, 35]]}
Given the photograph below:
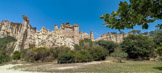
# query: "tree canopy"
{"points": [[138, 46], [137, 12]]}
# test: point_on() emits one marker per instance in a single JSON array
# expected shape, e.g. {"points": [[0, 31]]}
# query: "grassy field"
{"points": [[98, 67]]}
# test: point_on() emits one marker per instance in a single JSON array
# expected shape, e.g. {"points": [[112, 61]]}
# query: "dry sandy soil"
{"points": [[9, 69], [26, 68]]}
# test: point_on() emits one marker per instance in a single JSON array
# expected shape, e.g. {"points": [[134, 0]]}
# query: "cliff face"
{"points": [[26, 35], [118, 38]]}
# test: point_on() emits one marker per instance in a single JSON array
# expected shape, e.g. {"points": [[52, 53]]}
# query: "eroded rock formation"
{"points": [[118, 38], [27, 35]]}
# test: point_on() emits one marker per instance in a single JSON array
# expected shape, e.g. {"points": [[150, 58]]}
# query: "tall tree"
{"points": [[138, 46], [137, 12]]}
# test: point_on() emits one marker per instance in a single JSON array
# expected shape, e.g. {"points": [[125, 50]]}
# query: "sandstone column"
{"points": [[56, 27], [91, 36], [22, 35]]}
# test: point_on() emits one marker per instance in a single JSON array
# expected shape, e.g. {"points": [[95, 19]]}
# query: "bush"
{"points": [[4, 57], [42, 54], [85, 56], [118, 54], [16, 55], [109, 45], [29, 55], [55, 51], [4, 41], [66, 57], [98, 53], [74, 57]]}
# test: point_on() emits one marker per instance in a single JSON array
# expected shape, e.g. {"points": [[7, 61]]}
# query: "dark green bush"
{"points": [[16, 55], [4, 41], [4, 57], [109, 45], [74, 57], [66, 57], [98, 53], [85, 56]]}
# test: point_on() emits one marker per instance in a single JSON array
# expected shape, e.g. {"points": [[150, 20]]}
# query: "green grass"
{"points": [[104, 67], [127, 67]]}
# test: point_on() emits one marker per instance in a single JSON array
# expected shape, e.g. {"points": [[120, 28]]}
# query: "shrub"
{"points": [[66, 57], [74, 57], [55, 51], [118, 54], [85, 56], [4, 57], [41, 54], [4, 41], [29, 55], [109, 45], [98, 53], [16, 55]]}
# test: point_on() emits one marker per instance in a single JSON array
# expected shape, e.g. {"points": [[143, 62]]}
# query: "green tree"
{"points": [[118, 54], [138, 46], [137, 12]]}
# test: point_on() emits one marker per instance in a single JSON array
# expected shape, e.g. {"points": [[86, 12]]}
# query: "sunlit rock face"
{"points": [[27, 35], [118, 38]]}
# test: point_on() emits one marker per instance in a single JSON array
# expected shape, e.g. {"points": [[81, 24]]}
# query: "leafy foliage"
{"points": [[16, 55], [74, 57], [85, 56], [42, 54], [66, 57], [137, 12], [4, 57], [138, 46], [157, 35], [4, 41], [98, 53], [109, 45], [119, 54], [159, 49], [4, 53]]}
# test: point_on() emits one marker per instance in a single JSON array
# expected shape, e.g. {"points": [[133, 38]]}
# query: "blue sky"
{"points": [[46, 13]]}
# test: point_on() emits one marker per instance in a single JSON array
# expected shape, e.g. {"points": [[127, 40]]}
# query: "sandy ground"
{"points": [[8, 69]]}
